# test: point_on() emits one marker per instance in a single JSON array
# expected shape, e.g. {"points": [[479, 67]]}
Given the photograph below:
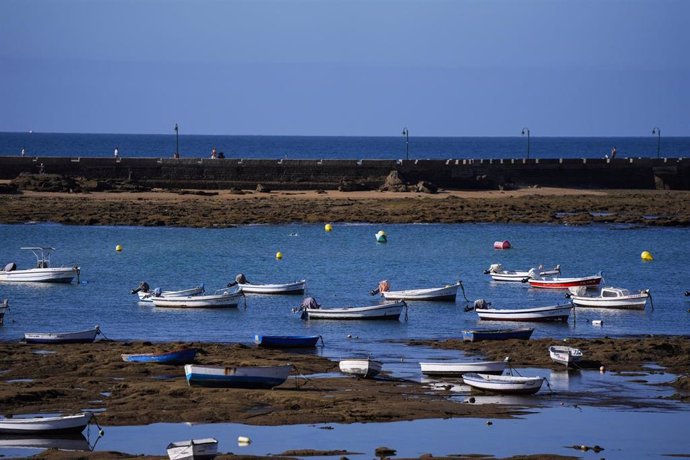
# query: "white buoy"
{"points": [[244, 440]]}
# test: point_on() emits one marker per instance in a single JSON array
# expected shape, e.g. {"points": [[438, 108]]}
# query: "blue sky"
{"points": [[330, 67]]}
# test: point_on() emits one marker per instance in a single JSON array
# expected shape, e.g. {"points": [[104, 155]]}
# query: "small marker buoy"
{"points": [[381, 237], [118, 248], [646, 256], [279, 255], [602, 369], [489, 422], [328, 227], [505, 244]]}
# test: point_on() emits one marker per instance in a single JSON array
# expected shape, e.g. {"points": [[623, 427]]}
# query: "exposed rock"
{"points": [[395, 182], [426, 187]]}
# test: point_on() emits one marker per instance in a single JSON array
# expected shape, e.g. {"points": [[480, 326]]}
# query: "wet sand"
{"points": [[227, 208]]}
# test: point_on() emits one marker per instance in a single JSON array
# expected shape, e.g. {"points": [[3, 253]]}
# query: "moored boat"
{"points": [[181, 356], [287, 341], [59, 424], [223, 298], [475, 335], [498, 273], [387, 310], [506, 384], [549, 313], [557, 282], [609, 297], [193, 449], [565, 355], [365, 367], [42, 273], [86, 336], [294, 288], [237, 376], [145, 294], [444, 293], [465, 367]]}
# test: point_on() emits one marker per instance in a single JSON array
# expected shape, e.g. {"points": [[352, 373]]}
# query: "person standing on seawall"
{"points": [[214, 155], [23, 152], [613, 153]]}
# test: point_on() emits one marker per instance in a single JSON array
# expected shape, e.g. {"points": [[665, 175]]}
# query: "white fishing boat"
{"points": [[507, 384], [146, 294], [565, 355], [296, 287], [194, 449], [609, 297], [365, 368], [498, 273], [466, 367], [60, 424], [387, 310], [223, 298], [42, 273], [86, 336], [549, 313], [444, 293], [237, 376]]}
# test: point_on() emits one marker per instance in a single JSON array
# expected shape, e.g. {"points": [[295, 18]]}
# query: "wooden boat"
{"points": [[365, 368], [62, 337], [296, 287], [387, 310], [445, 293], [609, 297], [148, 295], [42, 273], [223, 298], [194, 449], [550, 313], [459, 368], [287, 341], [475, 335], [3, 309], [237, 377], [60, 424], [507, 384], [181, 356], [564, 355], [498, 273], [557, 282]]}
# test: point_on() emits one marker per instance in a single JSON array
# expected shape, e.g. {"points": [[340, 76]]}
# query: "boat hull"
{"points": [[476, 335], [565, 355], [564, 283], [229, 300], [504, 384], [62, 337], [194, 449], [286, 341], [390, 311], [446, 293], [295, 288], [62, 424], [40, 275], [236, 377], [148, 296], [456, 369], [552, 313], [365, 368], [172, 357]]}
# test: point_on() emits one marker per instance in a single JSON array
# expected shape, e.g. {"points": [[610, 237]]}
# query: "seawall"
{"points": [[459, 174]]}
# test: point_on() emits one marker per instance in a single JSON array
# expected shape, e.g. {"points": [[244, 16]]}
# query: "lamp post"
{"points": [[406, 133], [177, 140], [657, 131], [526, 130]]}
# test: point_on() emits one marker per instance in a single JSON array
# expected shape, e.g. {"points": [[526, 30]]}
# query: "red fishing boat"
{"points": [[556, 282]]}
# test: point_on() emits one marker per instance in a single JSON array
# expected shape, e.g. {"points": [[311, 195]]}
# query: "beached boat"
{"points": [[507, 384], [287, 341], [236, 377], [475, 335], [550, 313], [194, 449], [466, 367], [181, 356], [223, 298], [296, 287], [86, 336], [557, 282], [445, 293], [609, 297], [365, 368], [498, 273], [42, 273], [386, 310], [145, 294], [3, 309], [564, 355], [60, 424]]}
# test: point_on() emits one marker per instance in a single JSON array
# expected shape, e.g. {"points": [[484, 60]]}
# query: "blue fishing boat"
{"points": [[287, 341], [475, 335], [236, 377], [181, 356]]}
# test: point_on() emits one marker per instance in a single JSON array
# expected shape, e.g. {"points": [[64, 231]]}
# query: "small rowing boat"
{"points": [[60, 424], [365, 368], [506, 384], [444, 293], [287, 341], [194, 449], [387, 310], [86, 336], [475, 335], [550, 313], [223, 298], [293, 288], [236, 377], [498, 273], [181, 356], [145, 294], [564, 355], [466, 367]]}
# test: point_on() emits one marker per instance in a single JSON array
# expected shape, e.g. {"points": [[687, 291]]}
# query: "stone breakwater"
{"points": [[350, 175]]}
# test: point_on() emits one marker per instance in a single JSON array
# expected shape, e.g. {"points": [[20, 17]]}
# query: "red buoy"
{"points": [[502, 244]]}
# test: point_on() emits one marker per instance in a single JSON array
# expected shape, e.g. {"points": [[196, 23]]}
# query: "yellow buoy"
{"points": [[646, 255], [279, 255], [118, 248], [328, 227]]}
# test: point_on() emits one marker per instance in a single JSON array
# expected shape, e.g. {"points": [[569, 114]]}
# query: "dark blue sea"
{"points": [[335, 147]]}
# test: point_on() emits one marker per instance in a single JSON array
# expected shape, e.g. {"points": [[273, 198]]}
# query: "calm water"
{"points": [[314, 147]]}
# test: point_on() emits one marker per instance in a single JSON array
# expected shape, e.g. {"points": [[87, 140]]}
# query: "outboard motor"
{"points": [[533, 273], [10, 267], [481, 304], [143, 287]]}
